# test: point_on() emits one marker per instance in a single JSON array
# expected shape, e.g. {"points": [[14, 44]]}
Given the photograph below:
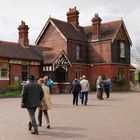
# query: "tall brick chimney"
{"points": [[23, 34], [96, 27], [72, 17]]}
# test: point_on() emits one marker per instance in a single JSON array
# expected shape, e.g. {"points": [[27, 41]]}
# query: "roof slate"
{"points": [[108, 30], [69, 31], [10, 50]]}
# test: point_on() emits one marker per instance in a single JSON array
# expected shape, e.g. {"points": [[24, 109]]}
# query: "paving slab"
{"points": [[116, 118]]}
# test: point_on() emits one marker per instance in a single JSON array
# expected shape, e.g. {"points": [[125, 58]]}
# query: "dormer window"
{"points": [[122, 49], [77, 52]]}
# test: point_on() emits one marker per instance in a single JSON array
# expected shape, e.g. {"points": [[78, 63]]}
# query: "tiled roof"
{"points": [[67, 29], [10, 50], [108, 30], [49, 57]]}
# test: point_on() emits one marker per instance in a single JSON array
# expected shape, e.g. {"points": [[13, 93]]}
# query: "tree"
{"points": [[135, 59]]}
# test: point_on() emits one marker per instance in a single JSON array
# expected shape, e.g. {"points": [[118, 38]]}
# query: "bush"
{"points": [[15, 86], [9, 94]]}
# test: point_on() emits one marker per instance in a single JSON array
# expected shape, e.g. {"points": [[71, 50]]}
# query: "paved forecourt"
{"points": [[117, 118]]}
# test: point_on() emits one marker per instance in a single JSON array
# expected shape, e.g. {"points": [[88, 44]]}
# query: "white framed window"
{"points": [[47, 68], [44, 68], [122, 50], [77, 52], [4, 73], [50, 68]]}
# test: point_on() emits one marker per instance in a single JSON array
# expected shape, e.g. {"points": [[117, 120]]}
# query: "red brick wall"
{"points": [[100, 52], [4, 84], [71, 50], [52, 39], [83, 70], [109, 71], [15, 70], [34, 70]]}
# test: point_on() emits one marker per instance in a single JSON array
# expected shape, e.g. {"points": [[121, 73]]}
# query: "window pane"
{"points": [[24, 76], [4, 72], [24, 72], [78, 52], [122, 50]]}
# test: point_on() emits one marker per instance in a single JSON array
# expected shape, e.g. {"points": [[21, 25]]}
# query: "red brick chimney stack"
{"points": [[23, 34], [96, 27], [73, 17]]}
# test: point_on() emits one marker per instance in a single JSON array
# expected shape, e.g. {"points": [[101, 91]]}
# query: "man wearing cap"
{"points": [[32, 94], [84, 90]]}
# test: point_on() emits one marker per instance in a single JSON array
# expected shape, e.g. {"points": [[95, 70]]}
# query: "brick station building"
{"points": [[65, 50]]}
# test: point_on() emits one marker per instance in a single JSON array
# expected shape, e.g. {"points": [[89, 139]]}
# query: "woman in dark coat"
{"points": [[107, 87], [75, 90]]}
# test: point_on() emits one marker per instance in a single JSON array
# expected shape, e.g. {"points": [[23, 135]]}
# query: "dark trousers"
{"points": [[100, 93], [32, 122], [45, 115], [84, 98], [75, 98], [107, 92]]}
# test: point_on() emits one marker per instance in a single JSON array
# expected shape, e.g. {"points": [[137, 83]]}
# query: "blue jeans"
{"points": [[84, 98]]}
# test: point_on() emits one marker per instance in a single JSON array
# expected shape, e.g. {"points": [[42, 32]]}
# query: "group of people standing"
{"points": [[103, 85], [80, 87], [37, 95]]}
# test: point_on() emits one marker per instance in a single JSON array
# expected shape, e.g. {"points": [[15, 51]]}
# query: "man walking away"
{"points": [[32, 94]]}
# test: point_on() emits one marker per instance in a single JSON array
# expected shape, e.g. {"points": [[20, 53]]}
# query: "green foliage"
{"points": [[15, 86], [9, 94]]}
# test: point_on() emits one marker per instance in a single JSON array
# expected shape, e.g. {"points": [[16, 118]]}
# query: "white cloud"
{"points": [[36, 12]]}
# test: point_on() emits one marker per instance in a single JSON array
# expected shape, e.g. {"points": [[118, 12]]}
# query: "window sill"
{"points": [[4, 79]]}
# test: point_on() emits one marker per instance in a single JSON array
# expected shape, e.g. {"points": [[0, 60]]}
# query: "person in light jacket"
{"points": [[45, 104], [85, 88], [31, 97], [99, 86]]}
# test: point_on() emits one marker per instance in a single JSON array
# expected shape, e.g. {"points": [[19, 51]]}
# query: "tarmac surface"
{"points": [[116, 118]]}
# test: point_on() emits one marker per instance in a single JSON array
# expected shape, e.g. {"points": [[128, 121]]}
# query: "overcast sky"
{"points": [[35, 13]]}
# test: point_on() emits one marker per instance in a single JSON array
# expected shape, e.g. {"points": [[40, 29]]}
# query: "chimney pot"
{"points": [[96, 27], [23, 34], [73, 17]]}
